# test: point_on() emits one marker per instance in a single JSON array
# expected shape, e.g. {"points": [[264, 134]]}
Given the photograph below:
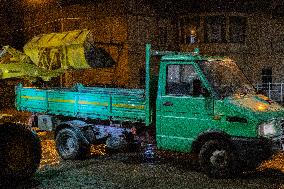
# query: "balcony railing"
{"points": [[274, 91]]}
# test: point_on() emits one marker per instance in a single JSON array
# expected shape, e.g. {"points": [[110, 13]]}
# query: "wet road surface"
{"points": [[120, 171]]}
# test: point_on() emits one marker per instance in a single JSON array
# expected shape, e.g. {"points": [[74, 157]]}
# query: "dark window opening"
{"points": [[189, 30], [215, 29], [237, 29], [266, 77]]}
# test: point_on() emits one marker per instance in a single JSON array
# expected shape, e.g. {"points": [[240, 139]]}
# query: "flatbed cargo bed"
{"points": [[84, 102]]}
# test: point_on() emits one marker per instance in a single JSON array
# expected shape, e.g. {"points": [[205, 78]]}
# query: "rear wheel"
{"points": [[217, 159], [20, 152], [69, 145]]}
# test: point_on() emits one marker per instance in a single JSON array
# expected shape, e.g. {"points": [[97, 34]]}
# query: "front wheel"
{"points": [[69, 145], [217, 159]]}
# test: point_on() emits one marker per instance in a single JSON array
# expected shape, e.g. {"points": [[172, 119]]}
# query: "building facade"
{"points": [[251, 32]]}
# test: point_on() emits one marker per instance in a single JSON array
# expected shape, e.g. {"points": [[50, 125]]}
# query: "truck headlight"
{"points": [[268, 129]]}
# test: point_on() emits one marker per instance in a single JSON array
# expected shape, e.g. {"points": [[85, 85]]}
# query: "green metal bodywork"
{"points": [[188, 117], [179, 120], [84, 102]]}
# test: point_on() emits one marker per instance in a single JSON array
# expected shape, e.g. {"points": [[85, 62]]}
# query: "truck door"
{"points": [[184, 107]]}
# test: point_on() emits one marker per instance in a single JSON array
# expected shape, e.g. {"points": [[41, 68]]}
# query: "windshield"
{"points": [[226, 78]]}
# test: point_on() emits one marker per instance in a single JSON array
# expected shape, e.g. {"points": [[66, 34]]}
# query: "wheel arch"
{"points": [[209, 135]]}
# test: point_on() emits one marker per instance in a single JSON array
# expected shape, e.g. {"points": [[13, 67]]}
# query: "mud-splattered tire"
{"points": [[217, 159], [69, 145], [20, 152]]}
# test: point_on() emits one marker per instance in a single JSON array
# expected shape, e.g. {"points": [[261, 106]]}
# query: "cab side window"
{"points": [[183, 80]]}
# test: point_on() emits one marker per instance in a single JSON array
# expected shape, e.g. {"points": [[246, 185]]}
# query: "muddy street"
{"points": [[120, 171]]}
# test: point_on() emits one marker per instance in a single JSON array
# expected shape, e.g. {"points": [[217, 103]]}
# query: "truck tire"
{"points": [[69, 145], [20, 152], [217, 159]]}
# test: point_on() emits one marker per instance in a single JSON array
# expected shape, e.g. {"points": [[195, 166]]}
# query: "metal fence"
{"points": [[274, 91]]}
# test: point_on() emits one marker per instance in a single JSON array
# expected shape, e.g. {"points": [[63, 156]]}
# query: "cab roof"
{"points": [[186, 56], [191, 57]]}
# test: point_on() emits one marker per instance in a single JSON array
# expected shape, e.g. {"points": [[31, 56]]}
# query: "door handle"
{"points": [[168, 103]]}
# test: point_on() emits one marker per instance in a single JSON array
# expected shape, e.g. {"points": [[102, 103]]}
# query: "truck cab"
{"points": [[207, 106]]}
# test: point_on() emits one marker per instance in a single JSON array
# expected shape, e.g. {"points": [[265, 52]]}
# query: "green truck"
{"points": [[195, 104]]}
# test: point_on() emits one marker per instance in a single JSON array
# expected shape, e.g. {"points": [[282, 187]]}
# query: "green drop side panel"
{"points": [[32, 100], [61, 102], [84, 102]]}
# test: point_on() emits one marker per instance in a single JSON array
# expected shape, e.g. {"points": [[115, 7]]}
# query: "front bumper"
{"points": [[252, 151]]}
